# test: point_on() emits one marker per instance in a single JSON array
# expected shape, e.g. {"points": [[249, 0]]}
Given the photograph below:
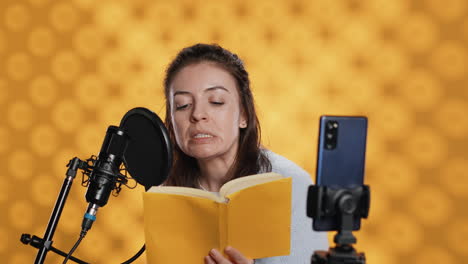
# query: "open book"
{"points": [[251, 214]]}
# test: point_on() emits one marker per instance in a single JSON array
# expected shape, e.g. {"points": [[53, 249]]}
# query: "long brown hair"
{"points": [[249, 158]]}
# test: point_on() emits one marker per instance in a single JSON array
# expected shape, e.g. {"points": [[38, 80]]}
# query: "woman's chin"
{"points": [[202, 153]]}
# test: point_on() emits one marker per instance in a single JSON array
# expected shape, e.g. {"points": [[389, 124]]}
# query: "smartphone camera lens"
{"points": [[331, 134]]}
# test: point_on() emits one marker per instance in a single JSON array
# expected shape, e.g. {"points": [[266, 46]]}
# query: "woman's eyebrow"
{"points": [[209, 89], [181, 92], [215, 88]]}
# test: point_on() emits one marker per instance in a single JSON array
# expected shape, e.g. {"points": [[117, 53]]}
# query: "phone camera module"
{"points": [[331, 134]]}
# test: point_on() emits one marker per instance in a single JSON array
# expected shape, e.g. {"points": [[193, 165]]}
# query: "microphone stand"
{"points": [[104, 177], [44, 245], [38, 242]]}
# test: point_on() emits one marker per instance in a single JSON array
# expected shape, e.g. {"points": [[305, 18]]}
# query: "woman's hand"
{"points": [[235, 257]]}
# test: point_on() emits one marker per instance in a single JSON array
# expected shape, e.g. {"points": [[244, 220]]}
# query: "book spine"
{"points": [[223, 226]]}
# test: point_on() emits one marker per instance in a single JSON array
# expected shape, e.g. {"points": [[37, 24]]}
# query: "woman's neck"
{"points": [[214, 173]]}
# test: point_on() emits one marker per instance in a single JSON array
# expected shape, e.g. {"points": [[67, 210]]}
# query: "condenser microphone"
{"points": [[105, 173], [142, 144]]}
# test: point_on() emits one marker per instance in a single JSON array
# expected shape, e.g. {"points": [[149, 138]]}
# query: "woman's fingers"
{"points": [[236, 256], [209, 260], [218, 257]]}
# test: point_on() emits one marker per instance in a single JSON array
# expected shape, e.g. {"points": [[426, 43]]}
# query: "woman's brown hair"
{"points": [[250, 159]]}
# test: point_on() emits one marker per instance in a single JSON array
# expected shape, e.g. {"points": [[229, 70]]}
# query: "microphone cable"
{"points": [[82, 235], [137, 255]]}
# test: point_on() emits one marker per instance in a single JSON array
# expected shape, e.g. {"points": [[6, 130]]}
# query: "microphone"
{"points": [[105, 174], [142, 144]]}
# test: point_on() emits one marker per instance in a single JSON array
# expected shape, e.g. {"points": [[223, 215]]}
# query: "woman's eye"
{"points": [[181, 107], [217, 103]]}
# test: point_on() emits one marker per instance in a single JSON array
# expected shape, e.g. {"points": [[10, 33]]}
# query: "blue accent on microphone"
{"points": [[90, 217]]}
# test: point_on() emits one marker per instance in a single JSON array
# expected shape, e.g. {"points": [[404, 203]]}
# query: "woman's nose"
{"points": [[198, 113]]}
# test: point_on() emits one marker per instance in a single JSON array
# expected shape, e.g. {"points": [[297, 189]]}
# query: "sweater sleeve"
{"points": [[304, 241]]}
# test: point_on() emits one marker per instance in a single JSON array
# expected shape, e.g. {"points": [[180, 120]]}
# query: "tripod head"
{"points": [[341, 207]]}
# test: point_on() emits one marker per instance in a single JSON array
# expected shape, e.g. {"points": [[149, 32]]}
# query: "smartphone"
{"points": [[340, 159]]}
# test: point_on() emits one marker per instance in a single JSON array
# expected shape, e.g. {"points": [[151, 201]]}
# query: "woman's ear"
{"points": [[243, 124], [243, 120]]}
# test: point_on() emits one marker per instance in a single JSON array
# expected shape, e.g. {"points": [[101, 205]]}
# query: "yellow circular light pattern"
{"points": [[18, 66], [89, 137], [43, 188], [402, 234], [425, 147], [41, 41], [450, 10], [70, 69], [44, 140], [88, 42], [435, 255], [450, 60], [398, 176], [63, 17], [16, 17], [21, 214], [43, 90], [90, 91], [419, 32], [19, 115], [431, 206], [391, 118], [67, 115], [451, 118], [429, 90], [20, 164], [66, 66], [454, 177]]}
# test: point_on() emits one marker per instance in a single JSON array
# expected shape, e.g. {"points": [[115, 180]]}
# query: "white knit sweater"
{"points": [[304, 241]]}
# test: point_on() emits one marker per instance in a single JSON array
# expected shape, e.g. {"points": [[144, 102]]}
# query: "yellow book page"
{"points": [[187, 192], [179, 229], [259, 219], [247, 181]]}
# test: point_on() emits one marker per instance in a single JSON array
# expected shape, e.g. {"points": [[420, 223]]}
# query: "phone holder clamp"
{"points": [[346, 205]]}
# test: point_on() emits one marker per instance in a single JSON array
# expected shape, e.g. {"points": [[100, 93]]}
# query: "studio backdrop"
{"points": [[69, 69]]}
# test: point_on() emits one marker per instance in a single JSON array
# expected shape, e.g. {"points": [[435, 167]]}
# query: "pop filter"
{"points": [[148, 157]]}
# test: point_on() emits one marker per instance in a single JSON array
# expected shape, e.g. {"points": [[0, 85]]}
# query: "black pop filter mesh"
{"points": [[148, 156]]}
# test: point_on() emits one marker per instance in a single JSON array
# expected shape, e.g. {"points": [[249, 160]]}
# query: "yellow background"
{"points": [[69, 69]]}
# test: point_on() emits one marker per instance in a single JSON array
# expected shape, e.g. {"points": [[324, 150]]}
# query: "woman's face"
{"points": [[205, 111]]}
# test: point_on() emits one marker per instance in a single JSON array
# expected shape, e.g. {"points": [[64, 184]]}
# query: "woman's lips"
{"points": [[201, 138], [202, 135]]}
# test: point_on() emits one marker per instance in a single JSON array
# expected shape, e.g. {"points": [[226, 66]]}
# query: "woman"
{"points": [[212, 123]]}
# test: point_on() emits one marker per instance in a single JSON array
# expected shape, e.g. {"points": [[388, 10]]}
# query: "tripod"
{"points": [[338, 209]]}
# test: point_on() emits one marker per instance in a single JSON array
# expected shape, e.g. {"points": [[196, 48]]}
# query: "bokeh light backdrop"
{"points": [[69, 69]]}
